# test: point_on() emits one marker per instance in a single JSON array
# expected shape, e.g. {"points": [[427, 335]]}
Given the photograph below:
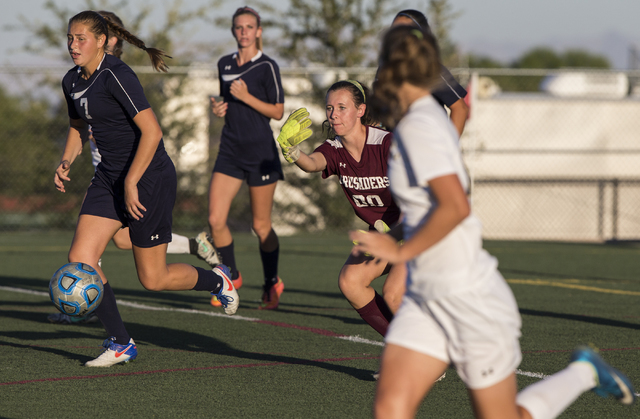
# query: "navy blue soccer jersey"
{"points": [[450, 91], [365, 183], [245, 127], [108, 101]]}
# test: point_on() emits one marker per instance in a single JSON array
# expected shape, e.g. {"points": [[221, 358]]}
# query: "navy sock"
{"points": [[109, 315], [270, 266], [207, 281], [228, 257], [377, 314]]}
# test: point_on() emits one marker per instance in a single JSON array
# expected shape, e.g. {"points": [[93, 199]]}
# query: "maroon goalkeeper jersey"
{"points": [[365, 182]]}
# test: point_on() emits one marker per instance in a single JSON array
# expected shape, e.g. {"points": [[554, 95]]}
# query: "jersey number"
{"points": [[85, 104], [367, 201]]}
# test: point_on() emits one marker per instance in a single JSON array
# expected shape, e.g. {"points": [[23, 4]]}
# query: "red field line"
{"points": [[164, 371]]}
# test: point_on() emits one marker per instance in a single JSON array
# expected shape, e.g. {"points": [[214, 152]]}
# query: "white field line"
{"points": [[356, 339]]}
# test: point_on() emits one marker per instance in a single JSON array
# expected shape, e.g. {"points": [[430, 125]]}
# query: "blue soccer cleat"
{"points": [[114, 353], [608, 379], [227, 296]]}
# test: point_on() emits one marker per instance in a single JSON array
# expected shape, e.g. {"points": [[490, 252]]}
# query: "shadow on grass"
{"points": [[187, 341], [580, 318], [168, 338]]}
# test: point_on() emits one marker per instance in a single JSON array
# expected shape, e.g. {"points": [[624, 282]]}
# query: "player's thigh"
{"points": [[122, 240], [262, 203], [406, 376], [497, 401], [222, 189], [151, 264], [91, 237]]}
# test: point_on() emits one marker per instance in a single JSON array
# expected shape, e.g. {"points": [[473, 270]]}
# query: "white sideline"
{"points": [[356, 339]]}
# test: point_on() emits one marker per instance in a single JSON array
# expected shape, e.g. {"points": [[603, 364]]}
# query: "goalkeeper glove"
{"points": [[294, 131]]}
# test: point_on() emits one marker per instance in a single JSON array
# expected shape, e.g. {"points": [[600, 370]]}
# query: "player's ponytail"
{"points": [[407, 55], [111, 17], [156, 55], [98, 25]]}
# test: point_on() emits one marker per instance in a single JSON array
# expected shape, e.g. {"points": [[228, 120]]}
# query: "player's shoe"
{"points": [[114, 353], [61, 318], [271, 296], [236, 283], [227, 296], [206, 250], [608, 379]]}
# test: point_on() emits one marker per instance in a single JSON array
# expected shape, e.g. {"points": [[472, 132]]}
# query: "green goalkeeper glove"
{"points": [[294, 131]]}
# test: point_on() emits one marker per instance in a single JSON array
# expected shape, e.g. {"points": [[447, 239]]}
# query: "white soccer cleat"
{"points": [[206, 250], [227, 296], [114, 353]]}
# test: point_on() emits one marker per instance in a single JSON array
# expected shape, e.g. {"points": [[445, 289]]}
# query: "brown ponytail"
{"points": [[98, 25]]}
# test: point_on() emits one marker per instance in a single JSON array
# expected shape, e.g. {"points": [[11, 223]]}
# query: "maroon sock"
{"points": [[377, 314]]}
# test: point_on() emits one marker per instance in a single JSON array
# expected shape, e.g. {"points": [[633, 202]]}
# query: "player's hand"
{"points": [[239, 90], [381, 246], [219, 109], [132, 203], [61, 175], [294, 131]]}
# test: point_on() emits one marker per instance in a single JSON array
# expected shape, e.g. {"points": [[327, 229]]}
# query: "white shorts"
{"points": [[477, 331]]}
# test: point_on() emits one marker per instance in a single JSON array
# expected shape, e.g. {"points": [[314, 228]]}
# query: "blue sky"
{"points": [[502, 29]]}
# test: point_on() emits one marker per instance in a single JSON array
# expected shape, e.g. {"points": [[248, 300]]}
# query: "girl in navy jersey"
{"points": [[457, 309], [135, 183], [178, 245], [357, 153], [252, 95], [449, 93]]}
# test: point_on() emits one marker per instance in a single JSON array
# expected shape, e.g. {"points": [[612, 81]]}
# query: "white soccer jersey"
{"points": [[426, 147]]}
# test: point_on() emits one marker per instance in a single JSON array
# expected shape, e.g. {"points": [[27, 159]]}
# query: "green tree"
{"points": [[333, 33], [482, 61], [441, 18], [584, 59], [541, 57]]}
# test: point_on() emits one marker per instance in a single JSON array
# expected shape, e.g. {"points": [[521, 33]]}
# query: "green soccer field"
{"points": [[312, 358]]}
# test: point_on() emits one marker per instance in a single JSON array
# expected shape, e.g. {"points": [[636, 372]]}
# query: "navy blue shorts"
{"points": [[156, 192], [257, 172]]}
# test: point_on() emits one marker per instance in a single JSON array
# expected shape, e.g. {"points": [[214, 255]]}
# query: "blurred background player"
{"points": [[179, 244], [357, 153], [458, 309], [252, 94], [449, 93], [134, 185]]}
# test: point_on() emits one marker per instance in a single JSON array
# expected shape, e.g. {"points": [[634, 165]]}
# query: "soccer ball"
{"points": [[76, 289]]}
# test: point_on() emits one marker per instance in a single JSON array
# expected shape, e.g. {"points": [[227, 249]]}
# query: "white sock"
{"points": [[548, 398], [178, 245]]}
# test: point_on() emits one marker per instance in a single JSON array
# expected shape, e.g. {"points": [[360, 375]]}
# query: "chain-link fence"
{"points": [[552, 154]]}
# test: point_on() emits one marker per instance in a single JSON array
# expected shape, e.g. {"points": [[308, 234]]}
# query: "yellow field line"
{"points": [[571, 286]]}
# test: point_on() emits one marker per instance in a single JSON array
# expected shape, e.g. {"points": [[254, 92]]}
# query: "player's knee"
{"points": [[262, 228], [150, 283], [217, 223]]}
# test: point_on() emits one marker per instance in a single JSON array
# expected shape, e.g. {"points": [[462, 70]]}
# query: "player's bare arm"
{"points": [[459, 115], [72, 148]]}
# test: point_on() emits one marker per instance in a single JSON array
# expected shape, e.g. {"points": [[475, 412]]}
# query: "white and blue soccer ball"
{"points": [[76, 289]]}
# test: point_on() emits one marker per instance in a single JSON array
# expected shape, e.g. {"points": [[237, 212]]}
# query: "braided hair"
{"points": [[99, 25]]}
